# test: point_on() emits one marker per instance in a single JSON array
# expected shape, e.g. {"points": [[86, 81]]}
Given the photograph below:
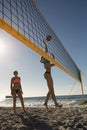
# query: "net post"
{"points": [[83, 100]]}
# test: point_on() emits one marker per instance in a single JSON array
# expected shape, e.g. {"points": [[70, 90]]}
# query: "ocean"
{"points": [[38, 101]]}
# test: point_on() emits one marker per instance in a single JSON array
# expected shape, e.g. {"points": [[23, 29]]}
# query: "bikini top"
{"points": [[16, 80]]}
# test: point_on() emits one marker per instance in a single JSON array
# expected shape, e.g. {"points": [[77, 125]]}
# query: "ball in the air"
{"points": [[48, 37]]}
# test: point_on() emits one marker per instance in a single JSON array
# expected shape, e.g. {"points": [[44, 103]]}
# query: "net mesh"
{"points": [[25, 17]]}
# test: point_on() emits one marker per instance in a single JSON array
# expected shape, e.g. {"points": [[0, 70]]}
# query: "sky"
{"points": [[68, 19]]}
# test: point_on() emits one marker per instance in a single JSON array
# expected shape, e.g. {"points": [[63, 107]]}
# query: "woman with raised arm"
{"points": [[47, 75], [16, 89]]}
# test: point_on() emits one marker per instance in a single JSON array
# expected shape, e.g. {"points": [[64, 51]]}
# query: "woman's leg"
{"points": [[21, 99], [48, 94], [14, 101], [50, 86], [47, 98]]}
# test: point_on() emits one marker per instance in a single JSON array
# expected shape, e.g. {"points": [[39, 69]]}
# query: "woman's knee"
{"points": [[51, 91], [14, 96], [20, 95], [14, 99]]}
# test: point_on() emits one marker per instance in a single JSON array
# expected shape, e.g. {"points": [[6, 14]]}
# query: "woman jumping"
{"points": [[47, 75]]}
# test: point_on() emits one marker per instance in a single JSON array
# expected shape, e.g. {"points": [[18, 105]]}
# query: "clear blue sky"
{"points": [[68, 19]]}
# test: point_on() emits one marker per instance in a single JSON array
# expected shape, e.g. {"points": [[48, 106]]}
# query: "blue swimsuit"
{"points": [[46, 62]]}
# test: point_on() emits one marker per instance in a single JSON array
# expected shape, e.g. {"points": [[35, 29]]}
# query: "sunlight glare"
{"points": [[2, 48]]}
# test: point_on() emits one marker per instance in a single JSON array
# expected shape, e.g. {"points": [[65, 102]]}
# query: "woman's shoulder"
{"points": [[18, 77], [12, 78]]}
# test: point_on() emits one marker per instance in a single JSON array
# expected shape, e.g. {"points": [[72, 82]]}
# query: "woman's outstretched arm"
{"points": [[45, 45]]}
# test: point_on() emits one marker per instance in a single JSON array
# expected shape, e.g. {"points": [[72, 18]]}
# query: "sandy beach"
{"points": [[73, 117]]}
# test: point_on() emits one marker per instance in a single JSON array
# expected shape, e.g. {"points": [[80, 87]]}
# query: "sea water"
{"points": [[39, 101]]}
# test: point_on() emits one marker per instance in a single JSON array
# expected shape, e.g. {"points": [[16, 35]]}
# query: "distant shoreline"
{"points": [[9, 96]]}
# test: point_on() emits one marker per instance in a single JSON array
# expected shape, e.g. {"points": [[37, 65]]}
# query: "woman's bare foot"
{"points": [[45, 104], [58, 105]]}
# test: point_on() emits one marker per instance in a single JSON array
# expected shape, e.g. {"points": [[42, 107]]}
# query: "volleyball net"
{"points": [[23, 20]]}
